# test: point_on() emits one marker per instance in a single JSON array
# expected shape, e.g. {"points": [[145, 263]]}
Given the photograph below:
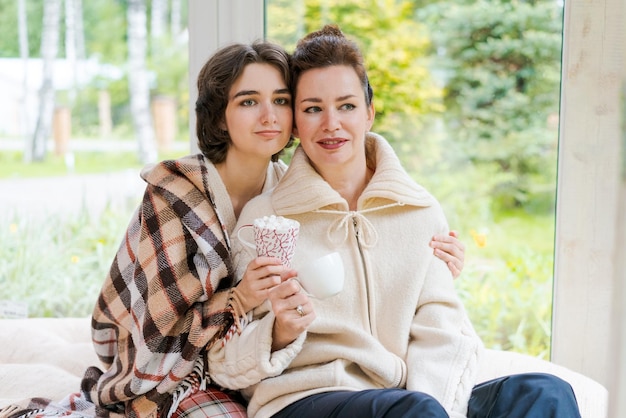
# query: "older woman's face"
{"points": [[332, 118]]}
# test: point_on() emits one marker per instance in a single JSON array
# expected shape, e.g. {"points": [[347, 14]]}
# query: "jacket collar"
{"points": [[302, 189]]}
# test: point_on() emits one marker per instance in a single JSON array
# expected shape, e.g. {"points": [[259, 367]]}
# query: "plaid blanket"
{"points": [[166, 298]]}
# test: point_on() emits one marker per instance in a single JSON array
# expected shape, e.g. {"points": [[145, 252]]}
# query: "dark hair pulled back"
{"points": [[324, 48]]}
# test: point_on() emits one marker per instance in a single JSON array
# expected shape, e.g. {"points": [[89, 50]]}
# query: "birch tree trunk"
{"points": [[158, 19], [49, 50], [158, 25], [138, 81], [70, 45], [80, 30], [176, 18], [24, 102]]}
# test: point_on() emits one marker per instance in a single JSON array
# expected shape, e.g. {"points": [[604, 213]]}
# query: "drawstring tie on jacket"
{"points": [[367, 234]]}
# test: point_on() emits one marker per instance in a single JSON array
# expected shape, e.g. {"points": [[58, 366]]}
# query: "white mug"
{"points": [[322, 277]]}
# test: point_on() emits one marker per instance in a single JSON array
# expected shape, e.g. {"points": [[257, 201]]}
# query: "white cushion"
{"points": [[43, 357], [46, 357]]}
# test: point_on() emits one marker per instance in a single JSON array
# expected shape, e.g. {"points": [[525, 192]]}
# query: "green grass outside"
{"points": [[507, 282], [87, 162], [12, 166]]}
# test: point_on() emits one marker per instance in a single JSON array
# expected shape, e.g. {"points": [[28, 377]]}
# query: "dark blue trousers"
{"points": [[529, 395], [365, 404]]}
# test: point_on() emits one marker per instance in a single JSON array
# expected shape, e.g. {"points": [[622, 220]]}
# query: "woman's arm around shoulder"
{"points": [[451, 250]]}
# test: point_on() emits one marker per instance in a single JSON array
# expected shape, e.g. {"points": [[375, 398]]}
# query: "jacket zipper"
{"points": [[367, 289], [365, 272]]}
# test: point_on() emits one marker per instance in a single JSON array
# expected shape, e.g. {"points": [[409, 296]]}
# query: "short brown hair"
{"points": [[324, 48], [215, 80]]}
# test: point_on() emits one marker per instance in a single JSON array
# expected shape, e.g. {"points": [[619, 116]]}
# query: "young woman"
{"points": [[168, 295], [396, 341]]}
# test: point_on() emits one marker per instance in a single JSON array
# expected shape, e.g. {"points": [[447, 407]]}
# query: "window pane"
{"points": [[468, 95], [67, 196]]}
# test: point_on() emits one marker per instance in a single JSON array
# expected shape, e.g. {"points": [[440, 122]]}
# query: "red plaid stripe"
{"points": [[211, 403]]}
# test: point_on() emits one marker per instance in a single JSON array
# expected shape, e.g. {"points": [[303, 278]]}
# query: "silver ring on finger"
{"points": [[300, 310]]}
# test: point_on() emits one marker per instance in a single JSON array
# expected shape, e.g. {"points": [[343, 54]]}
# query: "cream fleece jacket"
{"points": [[398, 321]]}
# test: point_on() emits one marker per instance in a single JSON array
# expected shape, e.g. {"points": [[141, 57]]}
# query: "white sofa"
{"points": [[45, 357]]}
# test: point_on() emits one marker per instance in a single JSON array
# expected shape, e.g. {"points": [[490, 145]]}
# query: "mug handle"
{"points": [[242, 239], [302, 289]]}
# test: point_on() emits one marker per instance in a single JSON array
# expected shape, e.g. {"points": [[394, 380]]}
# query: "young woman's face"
{"points": [[331, 117], [258, 116]]}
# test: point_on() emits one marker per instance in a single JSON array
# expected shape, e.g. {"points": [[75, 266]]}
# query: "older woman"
{"points": [[396, 342]]}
